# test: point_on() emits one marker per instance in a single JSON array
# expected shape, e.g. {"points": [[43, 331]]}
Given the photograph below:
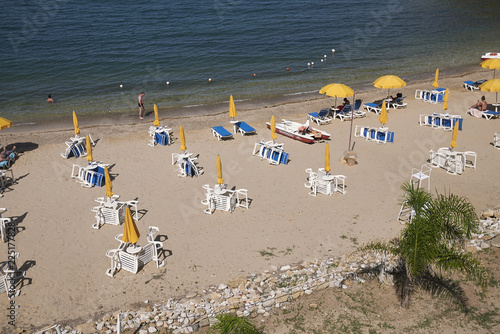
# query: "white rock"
{"points": [[152, 330]]}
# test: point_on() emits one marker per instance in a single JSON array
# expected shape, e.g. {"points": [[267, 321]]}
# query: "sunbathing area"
{"points": [[202, 197]]}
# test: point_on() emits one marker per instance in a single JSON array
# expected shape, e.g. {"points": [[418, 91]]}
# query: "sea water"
{"points": [[95, 57]]}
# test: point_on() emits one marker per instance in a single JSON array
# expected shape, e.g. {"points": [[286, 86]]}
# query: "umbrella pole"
{"points": [[352, 118]]}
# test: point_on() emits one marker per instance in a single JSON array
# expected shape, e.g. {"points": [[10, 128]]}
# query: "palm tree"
{"points": [[432, 245]]}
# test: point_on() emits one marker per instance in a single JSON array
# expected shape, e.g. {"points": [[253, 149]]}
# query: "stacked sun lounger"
{"points": [[186, 164], [112, 211], [160, 135], [90, 175], [76, 147], [379, 135], [441, 121], [272, 152], [433, 96]]}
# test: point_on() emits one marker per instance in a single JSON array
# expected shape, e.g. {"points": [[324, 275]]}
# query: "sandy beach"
{"points": [[64, 257]]}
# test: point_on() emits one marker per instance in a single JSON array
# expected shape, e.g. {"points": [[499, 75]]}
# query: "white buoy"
{"points": [[312, 63], [321, 60], [121, 86], [308, 64], [168, 82], [333, 50], [324, 56], [209, 79]]}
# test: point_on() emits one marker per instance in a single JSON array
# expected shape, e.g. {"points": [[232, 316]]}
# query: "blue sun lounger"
{"points": [[221, 133], [272, 152], [243, 128], [472, 85]]}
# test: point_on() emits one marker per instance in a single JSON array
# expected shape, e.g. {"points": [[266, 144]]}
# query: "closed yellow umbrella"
{"points": [[492, 85], [232, 108], [220, 180], [130, 232], [384, 116], [445, 99], [492, 63], [107, 180], [436, 76], [183, 139], [273, 128], [75, 123], [5, 123], [157, 118], [454, 136], [89, 148], [327, 159], [388, 82], [337, 90]]}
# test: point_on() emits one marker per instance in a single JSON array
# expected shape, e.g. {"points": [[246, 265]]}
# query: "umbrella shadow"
{"points": [[24, 146]]}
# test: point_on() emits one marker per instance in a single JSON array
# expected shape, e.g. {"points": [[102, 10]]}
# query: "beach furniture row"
{"points": [[441, 121], [271, 151], [432, 96], [378, 135]]}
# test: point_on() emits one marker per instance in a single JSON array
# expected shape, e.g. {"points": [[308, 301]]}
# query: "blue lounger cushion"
{"points": [[162, 138], [96, 179], [222, 131], [244, 127], [313, 114]]}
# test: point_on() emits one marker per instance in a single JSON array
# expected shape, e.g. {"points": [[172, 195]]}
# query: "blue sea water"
{"points": [[82, 51]]}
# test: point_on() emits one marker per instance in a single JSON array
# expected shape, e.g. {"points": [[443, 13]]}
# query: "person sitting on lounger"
{"points": [[481, 105], [346, 102], [4, 155]]}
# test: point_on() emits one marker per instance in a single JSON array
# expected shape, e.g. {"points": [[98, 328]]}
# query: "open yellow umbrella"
{"points": [[107, 180], [445, 99], [232, 108], [327, 159], [436, 76], [273, 128], [337, 90], [454, 136], [89, 148], [384, 116], [492, 63], [75, 123], [5, 123], [492, 85], [388, 82], [130, 232], [183, 139], [220, 180], [157, 119]]}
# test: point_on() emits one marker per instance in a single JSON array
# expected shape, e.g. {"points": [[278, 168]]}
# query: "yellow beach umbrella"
{"points": [[75, 123], [220, 180], [492, 63], [232, 108], [492, 85], [5, 123], [384, 116], [436, 76], [337, 90], [89, 149], [273, 128], [157, 119], [130, 232], [183, 139], [327, 159], [445, 99], [454, 136], [388, 82], [107, 180]]}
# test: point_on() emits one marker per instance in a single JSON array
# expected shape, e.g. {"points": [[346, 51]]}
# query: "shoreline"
{"points": [[121, 117]]}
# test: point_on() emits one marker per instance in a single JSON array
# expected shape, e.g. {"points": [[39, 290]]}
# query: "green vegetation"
{"points": [[232, 324], [432, 244]]}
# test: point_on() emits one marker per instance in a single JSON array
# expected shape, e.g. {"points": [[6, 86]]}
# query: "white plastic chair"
{"points": [[9, 275]]}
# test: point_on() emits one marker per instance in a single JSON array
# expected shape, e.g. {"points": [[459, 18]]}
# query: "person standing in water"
{"points": [[141, 105]]}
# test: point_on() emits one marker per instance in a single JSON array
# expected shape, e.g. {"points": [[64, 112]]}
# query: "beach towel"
{"points": [[475, 112]]}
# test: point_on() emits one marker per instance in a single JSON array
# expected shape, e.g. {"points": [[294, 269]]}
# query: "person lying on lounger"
{"points": [[306, 130]]}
